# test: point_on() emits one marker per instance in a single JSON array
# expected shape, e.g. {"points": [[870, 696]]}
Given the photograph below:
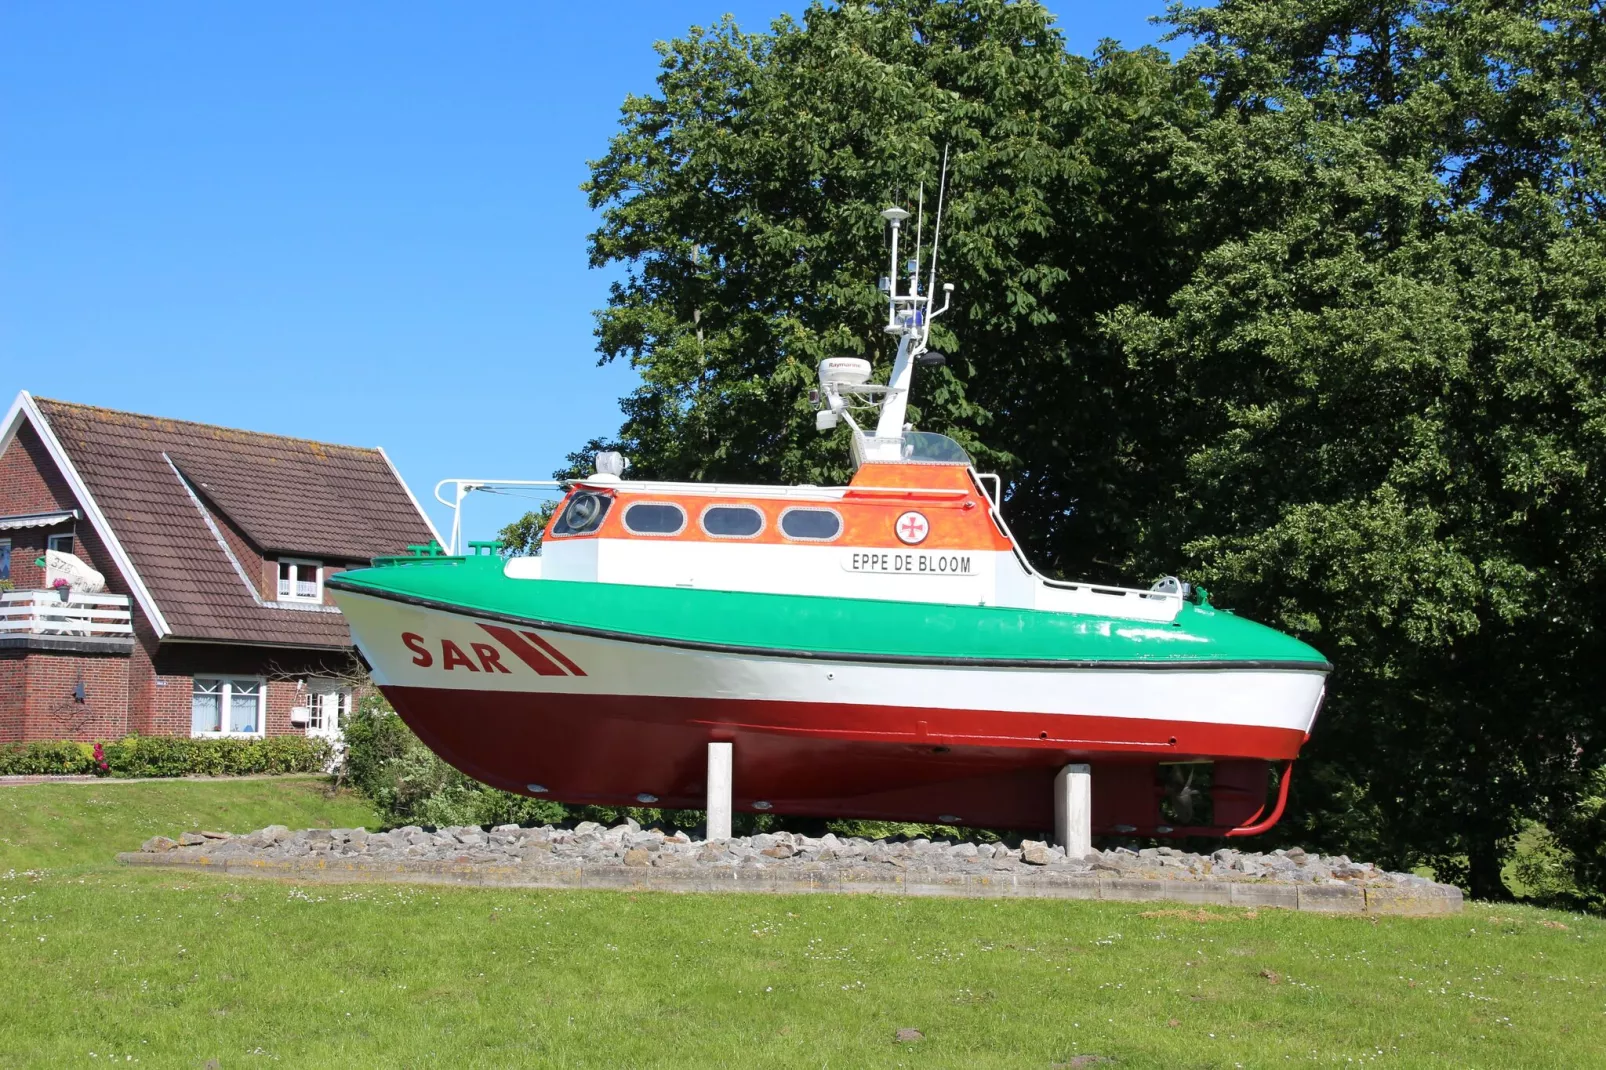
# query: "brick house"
{"points": [[214, 543]]}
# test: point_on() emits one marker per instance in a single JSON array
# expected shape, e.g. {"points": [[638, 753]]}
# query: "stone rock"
{"points": [[909, 1036], [834, 858]]}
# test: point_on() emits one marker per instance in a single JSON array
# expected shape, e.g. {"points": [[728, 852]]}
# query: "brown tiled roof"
{"points": [[288, 495]]}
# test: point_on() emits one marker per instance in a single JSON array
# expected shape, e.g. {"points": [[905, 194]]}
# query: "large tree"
{"points": [[1388, 369], [743, 199], [1313, 312]]}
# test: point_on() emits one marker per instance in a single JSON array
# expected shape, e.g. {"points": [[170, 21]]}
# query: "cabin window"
{"points": [[62, 544], [300, 581], [655, 518], [814, 525], [583, 515], [5, 560], [226, 706], [732, 521]]}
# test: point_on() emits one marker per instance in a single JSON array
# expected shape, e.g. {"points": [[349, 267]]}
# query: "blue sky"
{"points": [[358, 223]]}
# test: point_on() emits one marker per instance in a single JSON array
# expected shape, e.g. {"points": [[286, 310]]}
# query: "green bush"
{"points": [[1580, 839], [51, 758], [169, 756], [411, 785]]}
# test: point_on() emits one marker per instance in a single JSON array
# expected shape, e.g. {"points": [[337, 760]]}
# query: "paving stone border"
{"points": [[628, 857]]}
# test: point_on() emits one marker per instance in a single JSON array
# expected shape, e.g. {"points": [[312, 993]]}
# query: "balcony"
{"points": [[87, 623]]}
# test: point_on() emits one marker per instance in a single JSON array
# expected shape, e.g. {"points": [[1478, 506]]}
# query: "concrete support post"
{"points": [[719, 791], [1073, 810]]}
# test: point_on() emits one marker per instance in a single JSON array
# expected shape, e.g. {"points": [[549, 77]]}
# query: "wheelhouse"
{"points": [[924, 528]]}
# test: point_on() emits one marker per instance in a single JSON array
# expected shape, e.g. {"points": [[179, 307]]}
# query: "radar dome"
{"points": [[844, 371]]}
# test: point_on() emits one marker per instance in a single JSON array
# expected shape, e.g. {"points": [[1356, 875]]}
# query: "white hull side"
{"points": [[1284, 699]]}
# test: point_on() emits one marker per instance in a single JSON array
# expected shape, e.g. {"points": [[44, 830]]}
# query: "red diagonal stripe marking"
{"points": [[524, 651], [556, 653]]}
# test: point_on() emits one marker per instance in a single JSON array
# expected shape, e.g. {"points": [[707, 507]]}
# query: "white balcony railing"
{"points": [[47, 613]]}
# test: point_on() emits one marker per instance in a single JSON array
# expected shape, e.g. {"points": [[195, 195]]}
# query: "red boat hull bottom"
{"points": [[993, 770]]}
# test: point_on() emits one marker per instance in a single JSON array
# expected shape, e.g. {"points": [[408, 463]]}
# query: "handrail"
{"points": [[465, 487], [804, 492], [96, 598], [80, 613], [1063, 585]]}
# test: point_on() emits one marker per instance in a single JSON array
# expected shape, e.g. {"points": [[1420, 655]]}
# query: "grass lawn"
{"points": [[102, 964]]}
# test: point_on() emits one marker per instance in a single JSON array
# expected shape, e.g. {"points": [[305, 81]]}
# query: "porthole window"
{"points": [[814, 525], [583, 515], [732, 521], [654, 518]]}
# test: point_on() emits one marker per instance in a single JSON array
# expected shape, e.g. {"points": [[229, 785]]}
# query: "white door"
{"points": [[326, 714]]}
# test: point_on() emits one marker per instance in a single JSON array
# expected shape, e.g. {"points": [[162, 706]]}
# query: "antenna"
{"points": [[920, 226], [936, 237]]}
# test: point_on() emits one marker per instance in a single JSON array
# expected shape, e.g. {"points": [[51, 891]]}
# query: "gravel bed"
{"points": [[629, 845]]}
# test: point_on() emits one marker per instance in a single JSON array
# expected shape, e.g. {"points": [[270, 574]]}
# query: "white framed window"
{"points": [[62, 544], [5, 559], [300, 580], [228, 706]]}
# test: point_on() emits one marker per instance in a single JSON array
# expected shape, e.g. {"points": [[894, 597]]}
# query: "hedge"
{"points": [[167, 756]]}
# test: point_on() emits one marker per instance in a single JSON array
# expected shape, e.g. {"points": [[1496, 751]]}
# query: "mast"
{"points": [[844, 381]]}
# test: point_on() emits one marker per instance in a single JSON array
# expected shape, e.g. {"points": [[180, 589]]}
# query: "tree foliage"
{"points": [[1313, 312]]}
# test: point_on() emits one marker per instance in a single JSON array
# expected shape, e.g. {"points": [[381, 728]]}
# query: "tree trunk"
{"points": [[1484, 865]]}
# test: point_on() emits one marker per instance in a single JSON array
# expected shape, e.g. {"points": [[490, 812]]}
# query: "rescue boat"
{"points": [[877, 650]]}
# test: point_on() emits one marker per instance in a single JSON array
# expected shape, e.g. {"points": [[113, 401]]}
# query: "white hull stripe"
{"points": [[415, 646]]}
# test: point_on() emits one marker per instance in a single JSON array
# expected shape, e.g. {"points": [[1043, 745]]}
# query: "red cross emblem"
{"points": [[912, 528]]}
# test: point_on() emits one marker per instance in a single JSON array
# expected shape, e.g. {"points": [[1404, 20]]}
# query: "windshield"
{"points": [[911, 447], [933, 448]]}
